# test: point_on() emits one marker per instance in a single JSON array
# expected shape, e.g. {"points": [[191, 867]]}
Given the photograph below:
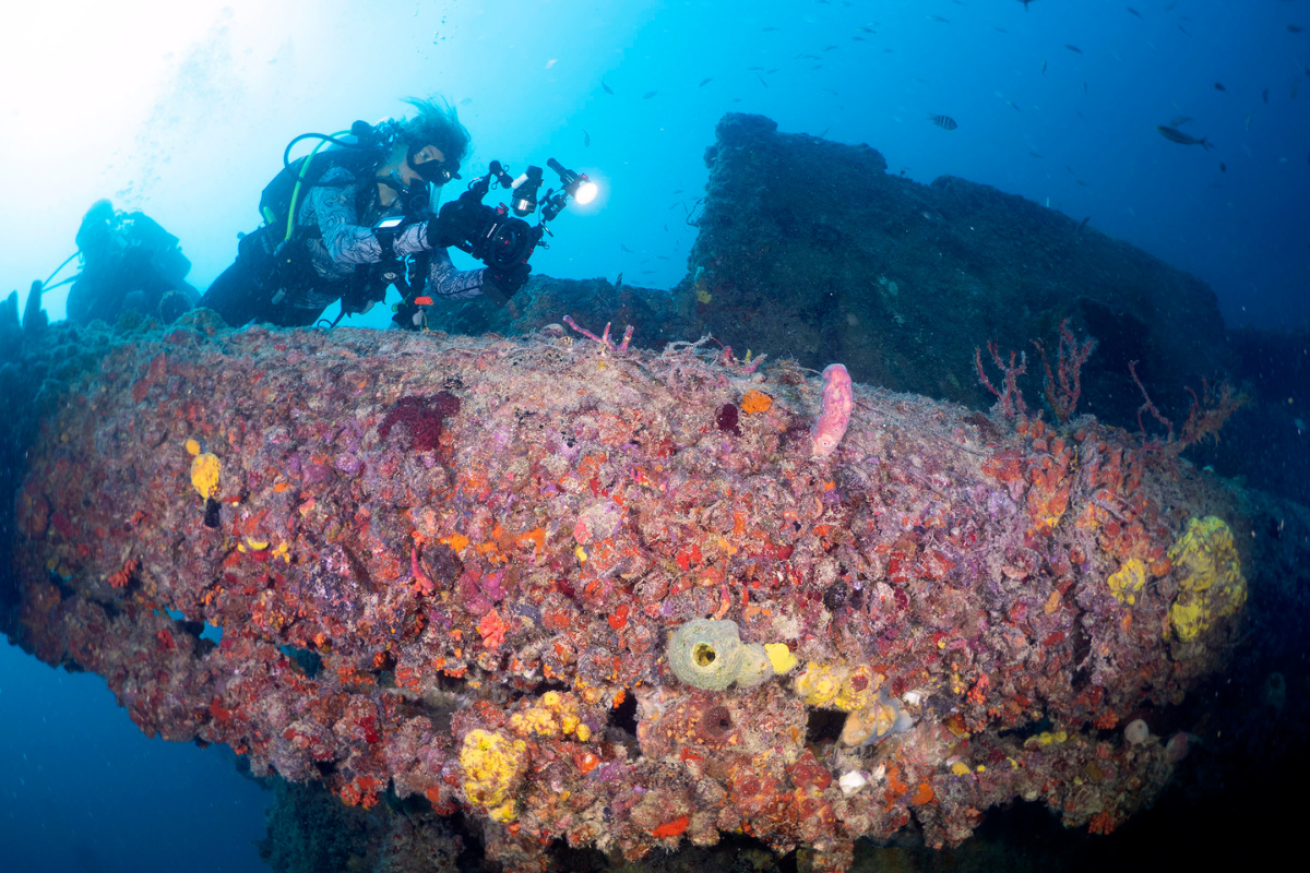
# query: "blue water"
{"points": [[192, 122], [182, 110], [81, 789]]}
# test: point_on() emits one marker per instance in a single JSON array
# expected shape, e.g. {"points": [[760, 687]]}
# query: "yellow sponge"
{"points": [[1210, 581], [205, 469], [493, 765]]}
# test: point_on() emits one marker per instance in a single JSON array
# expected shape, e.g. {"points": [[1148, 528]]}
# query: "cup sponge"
{"points": [[709, 654]]}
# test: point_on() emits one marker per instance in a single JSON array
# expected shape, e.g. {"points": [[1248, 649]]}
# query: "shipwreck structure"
{"points": [[581, 592]]}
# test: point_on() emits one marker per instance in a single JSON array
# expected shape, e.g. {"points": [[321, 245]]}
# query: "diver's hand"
{"points": [[510, 279], [457, 222]]}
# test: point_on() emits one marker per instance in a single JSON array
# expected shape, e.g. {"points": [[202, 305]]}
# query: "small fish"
{"points": [[1083, 224], [704, 82], [1247, 125], [1222, 168], [1014, 106], [1025, 4], [649, 94], [1069, 168], [945, 122], [1173, 134], [761, 78], [1169, 7], [1081, 182], [625, 248], [766, 29], [586, 139], [1264, 95], [1133, 11], [608, 89], [868, 29], [1043, 66], [938, 18], [1184, 30], [1295, 28], [1179, 120], [1219, 86], [1033, 155], [831, 48], [1074, 48]]}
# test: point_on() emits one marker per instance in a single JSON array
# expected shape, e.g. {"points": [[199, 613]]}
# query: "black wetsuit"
{"points": [[333, 254], [128, 262]]}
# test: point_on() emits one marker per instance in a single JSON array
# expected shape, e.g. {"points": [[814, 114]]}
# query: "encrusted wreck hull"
{"points": [[446, 567]]}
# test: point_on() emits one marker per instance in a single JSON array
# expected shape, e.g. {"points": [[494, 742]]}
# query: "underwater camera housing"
{"points": [[503, 240]]}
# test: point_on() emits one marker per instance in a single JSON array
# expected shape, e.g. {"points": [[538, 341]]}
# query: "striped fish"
{"points": [[945, 122]]}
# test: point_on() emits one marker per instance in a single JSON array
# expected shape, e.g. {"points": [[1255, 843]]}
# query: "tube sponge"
{"points": [[835, 412], [709, 654]]}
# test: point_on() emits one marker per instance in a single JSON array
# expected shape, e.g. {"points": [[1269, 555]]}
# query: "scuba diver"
{"points": [[128, 262], [347, 222]]}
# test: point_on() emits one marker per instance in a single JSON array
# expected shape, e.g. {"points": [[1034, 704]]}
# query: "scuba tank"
{"points": [[358, 150]]}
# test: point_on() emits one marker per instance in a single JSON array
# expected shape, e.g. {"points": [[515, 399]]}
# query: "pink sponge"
{"points": [[836, 412]]}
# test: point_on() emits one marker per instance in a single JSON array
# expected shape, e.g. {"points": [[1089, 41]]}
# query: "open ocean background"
{"points": [[183, 110]]}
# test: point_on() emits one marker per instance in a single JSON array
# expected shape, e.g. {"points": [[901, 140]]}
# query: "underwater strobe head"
{"points": [[576, 185]]}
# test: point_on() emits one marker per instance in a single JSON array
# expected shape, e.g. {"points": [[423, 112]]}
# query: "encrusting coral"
{"points": [[459, 598]]}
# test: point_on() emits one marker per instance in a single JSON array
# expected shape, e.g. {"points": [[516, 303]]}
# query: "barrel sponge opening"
{"points": [[705, 653]]}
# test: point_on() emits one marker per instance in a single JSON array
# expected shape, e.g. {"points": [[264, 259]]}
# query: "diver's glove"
{"points": [[457, 222], [509, 279]]}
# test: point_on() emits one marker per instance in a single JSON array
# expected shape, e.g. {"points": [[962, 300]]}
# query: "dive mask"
{"points": [[435, 172]]}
